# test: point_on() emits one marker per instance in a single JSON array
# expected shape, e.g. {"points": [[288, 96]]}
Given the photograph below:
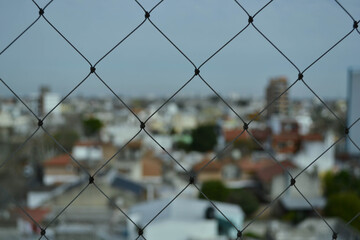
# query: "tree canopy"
{"points": [[214, 190], [67, 138], [203, 139], [344, 206], [217, 191], [92, 126], [342, 190]]}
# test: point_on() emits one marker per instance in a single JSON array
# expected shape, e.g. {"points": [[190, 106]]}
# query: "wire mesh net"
{"points": [[93, 172]]}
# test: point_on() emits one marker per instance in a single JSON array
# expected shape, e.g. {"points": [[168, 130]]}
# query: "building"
{"points": [[275, 180], [47, 101], [312, 146], [185, 219], [88, 153], [353, 112], [273, 90], [59, 170], [311, 229], [151, 168], [211, 172]]}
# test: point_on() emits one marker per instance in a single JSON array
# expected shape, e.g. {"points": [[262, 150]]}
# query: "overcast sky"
{"points": [[147, 64]]}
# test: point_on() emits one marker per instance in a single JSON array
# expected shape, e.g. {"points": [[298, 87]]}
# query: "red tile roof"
{"points": [[214, 166], [60, 160], [38, 214], [261, 134], [286, 137], [250, 166], [267, 173], [313, 137], [231, 134]]}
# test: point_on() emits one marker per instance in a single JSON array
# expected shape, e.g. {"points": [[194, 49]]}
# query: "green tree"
{"points": [[340, 182], [245, 199], [67, 138], [92, 126], [203, 138], [182, 145], [345, 206], [294, 217], [214, 190], [217, 191], [342, 190]]}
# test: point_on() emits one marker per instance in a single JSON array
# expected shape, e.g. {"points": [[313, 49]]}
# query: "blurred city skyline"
{"points": [[257, 162], [146, 64]]}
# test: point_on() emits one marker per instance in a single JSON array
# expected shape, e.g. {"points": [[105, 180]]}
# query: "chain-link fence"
{"points": [[300, 79]]}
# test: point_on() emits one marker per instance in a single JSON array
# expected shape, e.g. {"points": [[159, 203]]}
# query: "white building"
{"points": [[186, 219], [119, 134], [89, 152], [59, 170], [49, 102], [313, 149], [13, 119], [45, 101]]}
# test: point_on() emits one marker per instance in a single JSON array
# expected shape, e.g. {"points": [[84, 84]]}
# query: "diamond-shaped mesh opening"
{"points": [[203, 40], [37, 162], [11, 29], [195, 105], [327, 113], [184, 123], [39, 46], [59, 203], [163, 66], [172, 214], [104, 212], [230, 71], [290, 38], [123, 158], [94, 29]]}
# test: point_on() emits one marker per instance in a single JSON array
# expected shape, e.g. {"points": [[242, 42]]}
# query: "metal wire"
{"points": [[142, 124]]}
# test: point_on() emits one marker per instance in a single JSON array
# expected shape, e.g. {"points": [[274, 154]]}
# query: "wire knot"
{"points": [[246, 126], [41, 12], [40, 122], [197, 71], [239, 234], [91, 180], [292, 182], [300, 76], [142, 125], [140, 231], [347, 131], [251, 19], [356, 24], [334, 236], [147, 15], [192, 179], [43, 232], [92, 69]]}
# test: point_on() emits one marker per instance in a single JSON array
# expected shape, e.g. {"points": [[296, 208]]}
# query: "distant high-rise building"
{"points": [[274, 89], [47, 101], [353, 111]]}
